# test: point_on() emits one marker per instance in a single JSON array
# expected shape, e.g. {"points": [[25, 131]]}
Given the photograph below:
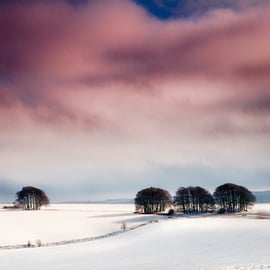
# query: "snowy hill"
{"points": [[181, 243]]}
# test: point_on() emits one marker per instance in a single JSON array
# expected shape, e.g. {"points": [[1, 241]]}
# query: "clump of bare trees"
{"points": [[233, 198], [31, 198], [227, 198], [152, 200], [194, 200]]}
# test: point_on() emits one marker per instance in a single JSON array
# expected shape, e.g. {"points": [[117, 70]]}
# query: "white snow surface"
{"points": [[207, 242]]}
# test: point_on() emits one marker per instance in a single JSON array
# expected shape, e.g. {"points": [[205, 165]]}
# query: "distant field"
{"points": [[219, 242]]}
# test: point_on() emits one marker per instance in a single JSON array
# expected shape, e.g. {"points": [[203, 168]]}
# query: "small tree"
{"points": [[152, 200], [194, 200], [233, 198], [124, 226], [31, 198]]}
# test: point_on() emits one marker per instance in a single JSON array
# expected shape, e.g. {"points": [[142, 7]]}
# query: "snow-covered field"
{"points": [[217, 242]]}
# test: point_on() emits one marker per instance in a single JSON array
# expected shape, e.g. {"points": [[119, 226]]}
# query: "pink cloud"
{"points": [[119, 39], [80, 66]]}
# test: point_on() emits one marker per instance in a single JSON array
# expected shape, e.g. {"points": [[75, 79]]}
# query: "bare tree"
{"points": [[152, 200], [194, 200], [31, 198], [233, 198], [124, 226]]}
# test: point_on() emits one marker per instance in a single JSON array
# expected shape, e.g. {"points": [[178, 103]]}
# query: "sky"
{"points": [[99, 98]]}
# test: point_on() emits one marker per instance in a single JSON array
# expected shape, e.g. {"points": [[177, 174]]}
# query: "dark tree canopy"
{"points": [[152, 200], [194, 200], [233, 198], [31, 198]]}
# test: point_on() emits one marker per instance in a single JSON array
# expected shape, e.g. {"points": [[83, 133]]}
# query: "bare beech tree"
{"points": [[194, 200], [152, 200], [233, 198], [31, 198]]}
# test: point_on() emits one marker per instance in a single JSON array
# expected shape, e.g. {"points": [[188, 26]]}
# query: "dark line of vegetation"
{"points": [[227, 198]]}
